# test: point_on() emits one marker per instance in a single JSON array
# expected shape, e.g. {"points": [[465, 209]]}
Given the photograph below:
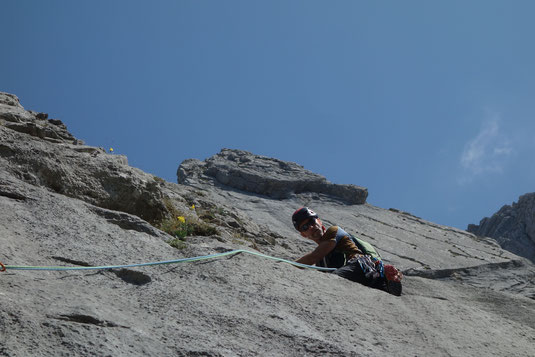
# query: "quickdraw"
{"points": [[3, 267]]}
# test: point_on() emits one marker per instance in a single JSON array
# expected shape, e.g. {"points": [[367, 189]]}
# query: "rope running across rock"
{"points": [[175, 261]]}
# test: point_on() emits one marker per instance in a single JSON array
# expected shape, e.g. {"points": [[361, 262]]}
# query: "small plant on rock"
{"points": [[160, 180], [177, 243], [177, 227], [180, 227]]}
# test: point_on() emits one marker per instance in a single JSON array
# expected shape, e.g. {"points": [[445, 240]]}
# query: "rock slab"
{"points": [[63, 203]]}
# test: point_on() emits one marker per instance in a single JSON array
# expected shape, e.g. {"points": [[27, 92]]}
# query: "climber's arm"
{"points": [[318, 254]]}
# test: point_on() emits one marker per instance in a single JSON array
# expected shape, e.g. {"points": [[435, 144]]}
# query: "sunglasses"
{"points": [[307, 225]]}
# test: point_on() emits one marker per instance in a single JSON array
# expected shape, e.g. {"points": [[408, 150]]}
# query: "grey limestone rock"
{"points": [[14, 117], [270, 177], [42, 152], [513, 227], [66, 204]]}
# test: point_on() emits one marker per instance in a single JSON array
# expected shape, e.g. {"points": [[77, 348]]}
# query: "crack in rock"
{"points": [[474, 270], [13, 195], [133, 277], [87, 320], [126, 221], [126, 275], [72, 261]]}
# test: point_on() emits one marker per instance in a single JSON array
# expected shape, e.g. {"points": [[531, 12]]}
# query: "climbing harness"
{"points": [[183, 260]]}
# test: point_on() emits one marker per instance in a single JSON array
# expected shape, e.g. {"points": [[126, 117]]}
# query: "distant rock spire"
{"points": [[513, 227]]}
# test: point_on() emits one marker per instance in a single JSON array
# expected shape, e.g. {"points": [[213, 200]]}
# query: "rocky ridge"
{"points": [[42, 152], [513, 227], [66, 203], [265, 176]]}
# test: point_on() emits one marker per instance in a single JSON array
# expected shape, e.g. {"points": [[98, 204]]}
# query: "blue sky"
{"points": [[428, 104]]}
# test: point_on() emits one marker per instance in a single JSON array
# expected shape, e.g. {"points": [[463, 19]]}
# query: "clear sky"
{"points": [[428, 104]]}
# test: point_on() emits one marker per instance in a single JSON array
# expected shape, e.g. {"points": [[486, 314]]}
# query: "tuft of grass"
{"points": [[158, 179], [169, 205], [208, 217], [213, 214], [177, 243], [180, 228], [177, 227]]}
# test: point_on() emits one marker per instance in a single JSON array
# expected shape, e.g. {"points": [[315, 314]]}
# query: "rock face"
{"points": [[63, 203], [42, 152], [513, 227], [265, 176], [14, 117]]}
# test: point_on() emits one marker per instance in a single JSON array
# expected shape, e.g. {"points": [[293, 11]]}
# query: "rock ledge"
{"points": [[266, 176]]}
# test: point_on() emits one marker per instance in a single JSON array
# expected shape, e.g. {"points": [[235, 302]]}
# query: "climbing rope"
{"points": [[175, 261]]}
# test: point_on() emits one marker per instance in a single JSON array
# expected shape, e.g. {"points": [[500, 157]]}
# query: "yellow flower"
{"points": [[181, 219]]}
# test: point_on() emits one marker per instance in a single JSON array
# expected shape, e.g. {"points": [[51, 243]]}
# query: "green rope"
{"points": [[183, 260]]}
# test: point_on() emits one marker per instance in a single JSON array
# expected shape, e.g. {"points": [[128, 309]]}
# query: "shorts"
{"points": [[362, 269]]}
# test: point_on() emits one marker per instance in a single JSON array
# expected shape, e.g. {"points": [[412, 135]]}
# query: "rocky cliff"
{"points": [[64, 203], [266, 176], [513, 227]]}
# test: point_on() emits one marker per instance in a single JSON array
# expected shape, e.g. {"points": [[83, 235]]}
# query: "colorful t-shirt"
{"points": [[345, 244]]}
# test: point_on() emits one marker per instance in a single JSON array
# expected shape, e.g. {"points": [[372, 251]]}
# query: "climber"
{"points": [[354, 259]]}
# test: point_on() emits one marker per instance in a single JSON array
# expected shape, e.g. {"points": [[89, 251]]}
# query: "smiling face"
{"points": [[312, 229]]}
